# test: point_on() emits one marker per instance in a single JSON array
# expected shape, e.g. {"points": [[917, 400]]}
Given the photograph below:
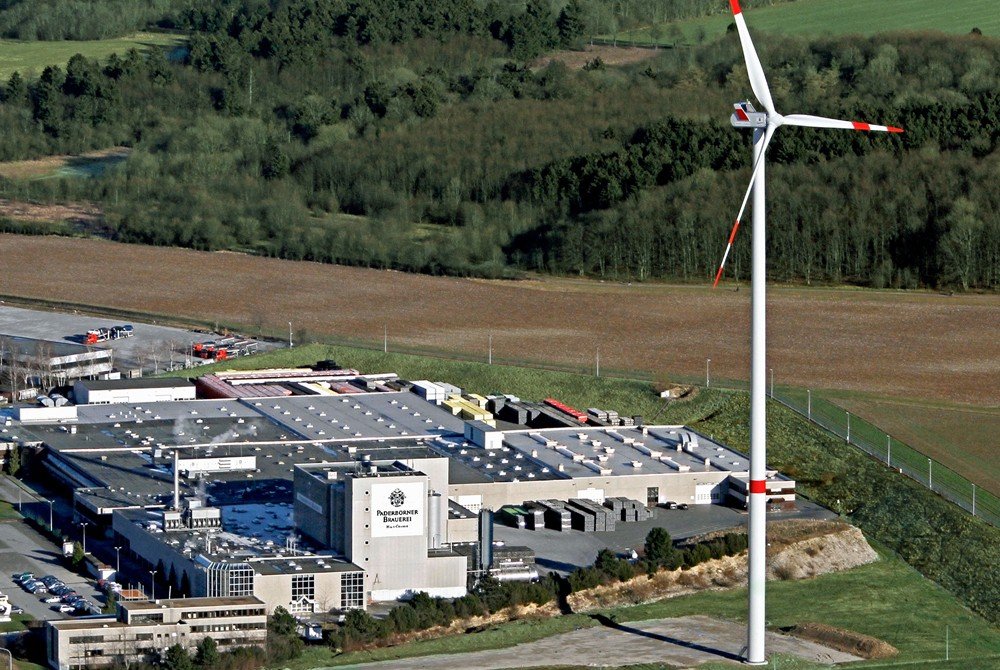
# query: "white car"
{"points": [[51, 599], [66, 609]]}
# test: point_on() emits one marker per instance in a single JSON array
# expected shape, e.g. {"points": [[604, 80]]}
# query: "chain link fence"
{"points": [[895, 454]]}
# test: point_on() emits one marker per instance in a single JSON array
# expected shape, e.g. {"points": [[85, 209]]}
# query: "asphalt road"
{"points": [[682, 642], [565, 551], [151, 344]]}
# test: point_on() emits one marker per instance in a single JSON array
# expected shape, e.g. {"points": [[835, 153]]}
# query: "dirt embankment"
{"points": [[797, 550], [847, 641]]}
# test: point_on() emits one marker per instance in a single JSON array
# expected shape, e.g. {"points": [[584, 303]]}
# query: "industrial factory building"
{"points": [[118, 391], [142, 631], [27, 362], [321, 490]]}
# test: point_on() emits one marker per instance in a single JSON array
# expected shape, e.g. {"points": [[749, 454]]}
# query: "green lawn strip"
{"points": [[33, 56], [8, 512], [821, 17], [887, 599], [17, 622], [494, 637]]}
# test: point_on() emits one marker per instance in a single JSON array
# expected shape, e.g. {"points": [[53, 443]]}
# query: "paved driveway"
{"points": [[24, 550], [684, 642]]}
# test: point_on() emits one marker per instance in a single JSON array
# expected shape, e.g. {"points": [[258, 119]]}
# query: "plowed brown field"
{"points": [[902, 344]]}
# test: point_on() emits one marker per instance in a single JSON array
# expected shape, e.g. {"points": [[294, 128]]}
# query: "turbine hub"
{"points": [[745, 116]]}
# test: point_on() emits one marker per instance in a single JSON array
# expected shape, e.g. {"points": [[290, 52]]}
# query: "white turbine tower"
{"points": [[764, 125]]}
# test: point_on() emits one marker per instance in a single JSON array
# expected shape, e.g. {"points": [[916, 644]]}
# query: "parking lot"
{"points": [[152, 346], [564, 551], [24, 550]]}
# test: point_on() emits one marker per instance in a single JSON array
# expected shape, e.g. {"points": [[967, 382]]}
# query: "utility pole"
{"points": [[289, 334], [598, 367], [491, 349], [888, 450], [708, 376], [848, 427], [973, 500], [809, 404], [385, 338], [930, 474]]}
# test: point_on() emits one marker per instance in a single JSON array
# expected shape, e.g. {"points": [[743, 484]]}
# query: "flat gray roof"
{"points": [[138, 383], [359, 416]]}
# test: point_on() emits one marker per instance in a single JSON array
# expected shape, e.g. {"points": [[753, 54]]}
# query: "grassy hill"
{"points": [[31, 57]]}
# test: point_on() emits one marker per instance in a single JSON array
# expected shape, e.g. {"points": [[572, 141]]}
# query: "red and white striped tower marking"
{"points": [[764, 124]]}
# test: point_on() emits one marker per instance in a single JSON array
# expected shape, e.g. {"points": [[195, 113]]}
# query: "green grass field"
{"points": [[822, 17], [30, 58], [959, 436]]}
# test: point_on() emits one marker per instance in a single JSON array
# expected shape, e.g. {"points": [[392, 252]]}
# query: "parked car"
{"points": [[66, 597], [61, 590], [35, 587], [50, 599], [670, 504], [22, 577], [682, 505], [17, 609], [50, 580], [65, 609]]}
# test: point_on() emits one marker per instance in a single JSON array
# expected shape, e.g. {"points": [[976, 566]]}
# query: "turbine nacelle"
{"points": [[745, 116]]}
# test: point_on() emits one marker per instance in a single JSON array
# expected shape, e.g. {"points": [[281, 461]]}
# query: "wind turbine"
{"points": [[764, 125]]}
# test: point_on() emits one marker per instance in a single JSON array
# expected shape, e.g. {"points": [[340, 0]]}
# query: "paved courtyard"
{"points": [[683, 642]]}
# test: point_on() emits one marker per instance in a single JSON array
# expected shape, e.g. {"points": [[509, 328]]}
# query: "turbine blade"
{"points": [[757, 80], [746, 198], [823, 122]]}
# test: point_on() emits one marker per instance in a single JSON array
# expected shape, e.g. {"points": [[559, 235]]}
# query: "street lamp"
{"points": [[289, 334], [118, 563], [152, 585], [84, 524], [708, 379]]}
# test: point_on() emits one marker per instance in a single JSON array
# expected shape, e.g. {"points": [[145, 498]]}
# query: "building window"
{"points": [[303, 593], [352, 590], [652, 496]]}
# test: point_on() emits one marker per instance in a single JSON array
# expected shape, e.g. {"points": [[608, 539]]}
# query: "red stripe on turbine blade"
{"points": [[758, 486], [718, 275], [894, 129], [858, 125], [735, 4], [732, 235]]}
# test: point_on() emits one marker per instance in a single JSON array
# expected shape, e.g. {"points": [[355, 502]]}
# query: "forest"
{"points": [[438, 136]]}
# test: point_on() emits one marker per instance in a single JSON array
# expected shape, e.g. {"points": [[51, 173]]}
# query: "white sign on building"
{"points": [[398, 509]]}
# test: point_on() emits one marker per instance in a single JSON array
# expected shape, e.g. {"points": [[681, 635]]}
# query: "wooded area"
{"points": [[425, 122]]}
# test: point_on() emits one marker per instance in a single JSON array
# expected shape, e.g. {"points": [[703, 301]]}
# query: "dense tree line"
{"points": [[418, 137], [83, 19]]}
